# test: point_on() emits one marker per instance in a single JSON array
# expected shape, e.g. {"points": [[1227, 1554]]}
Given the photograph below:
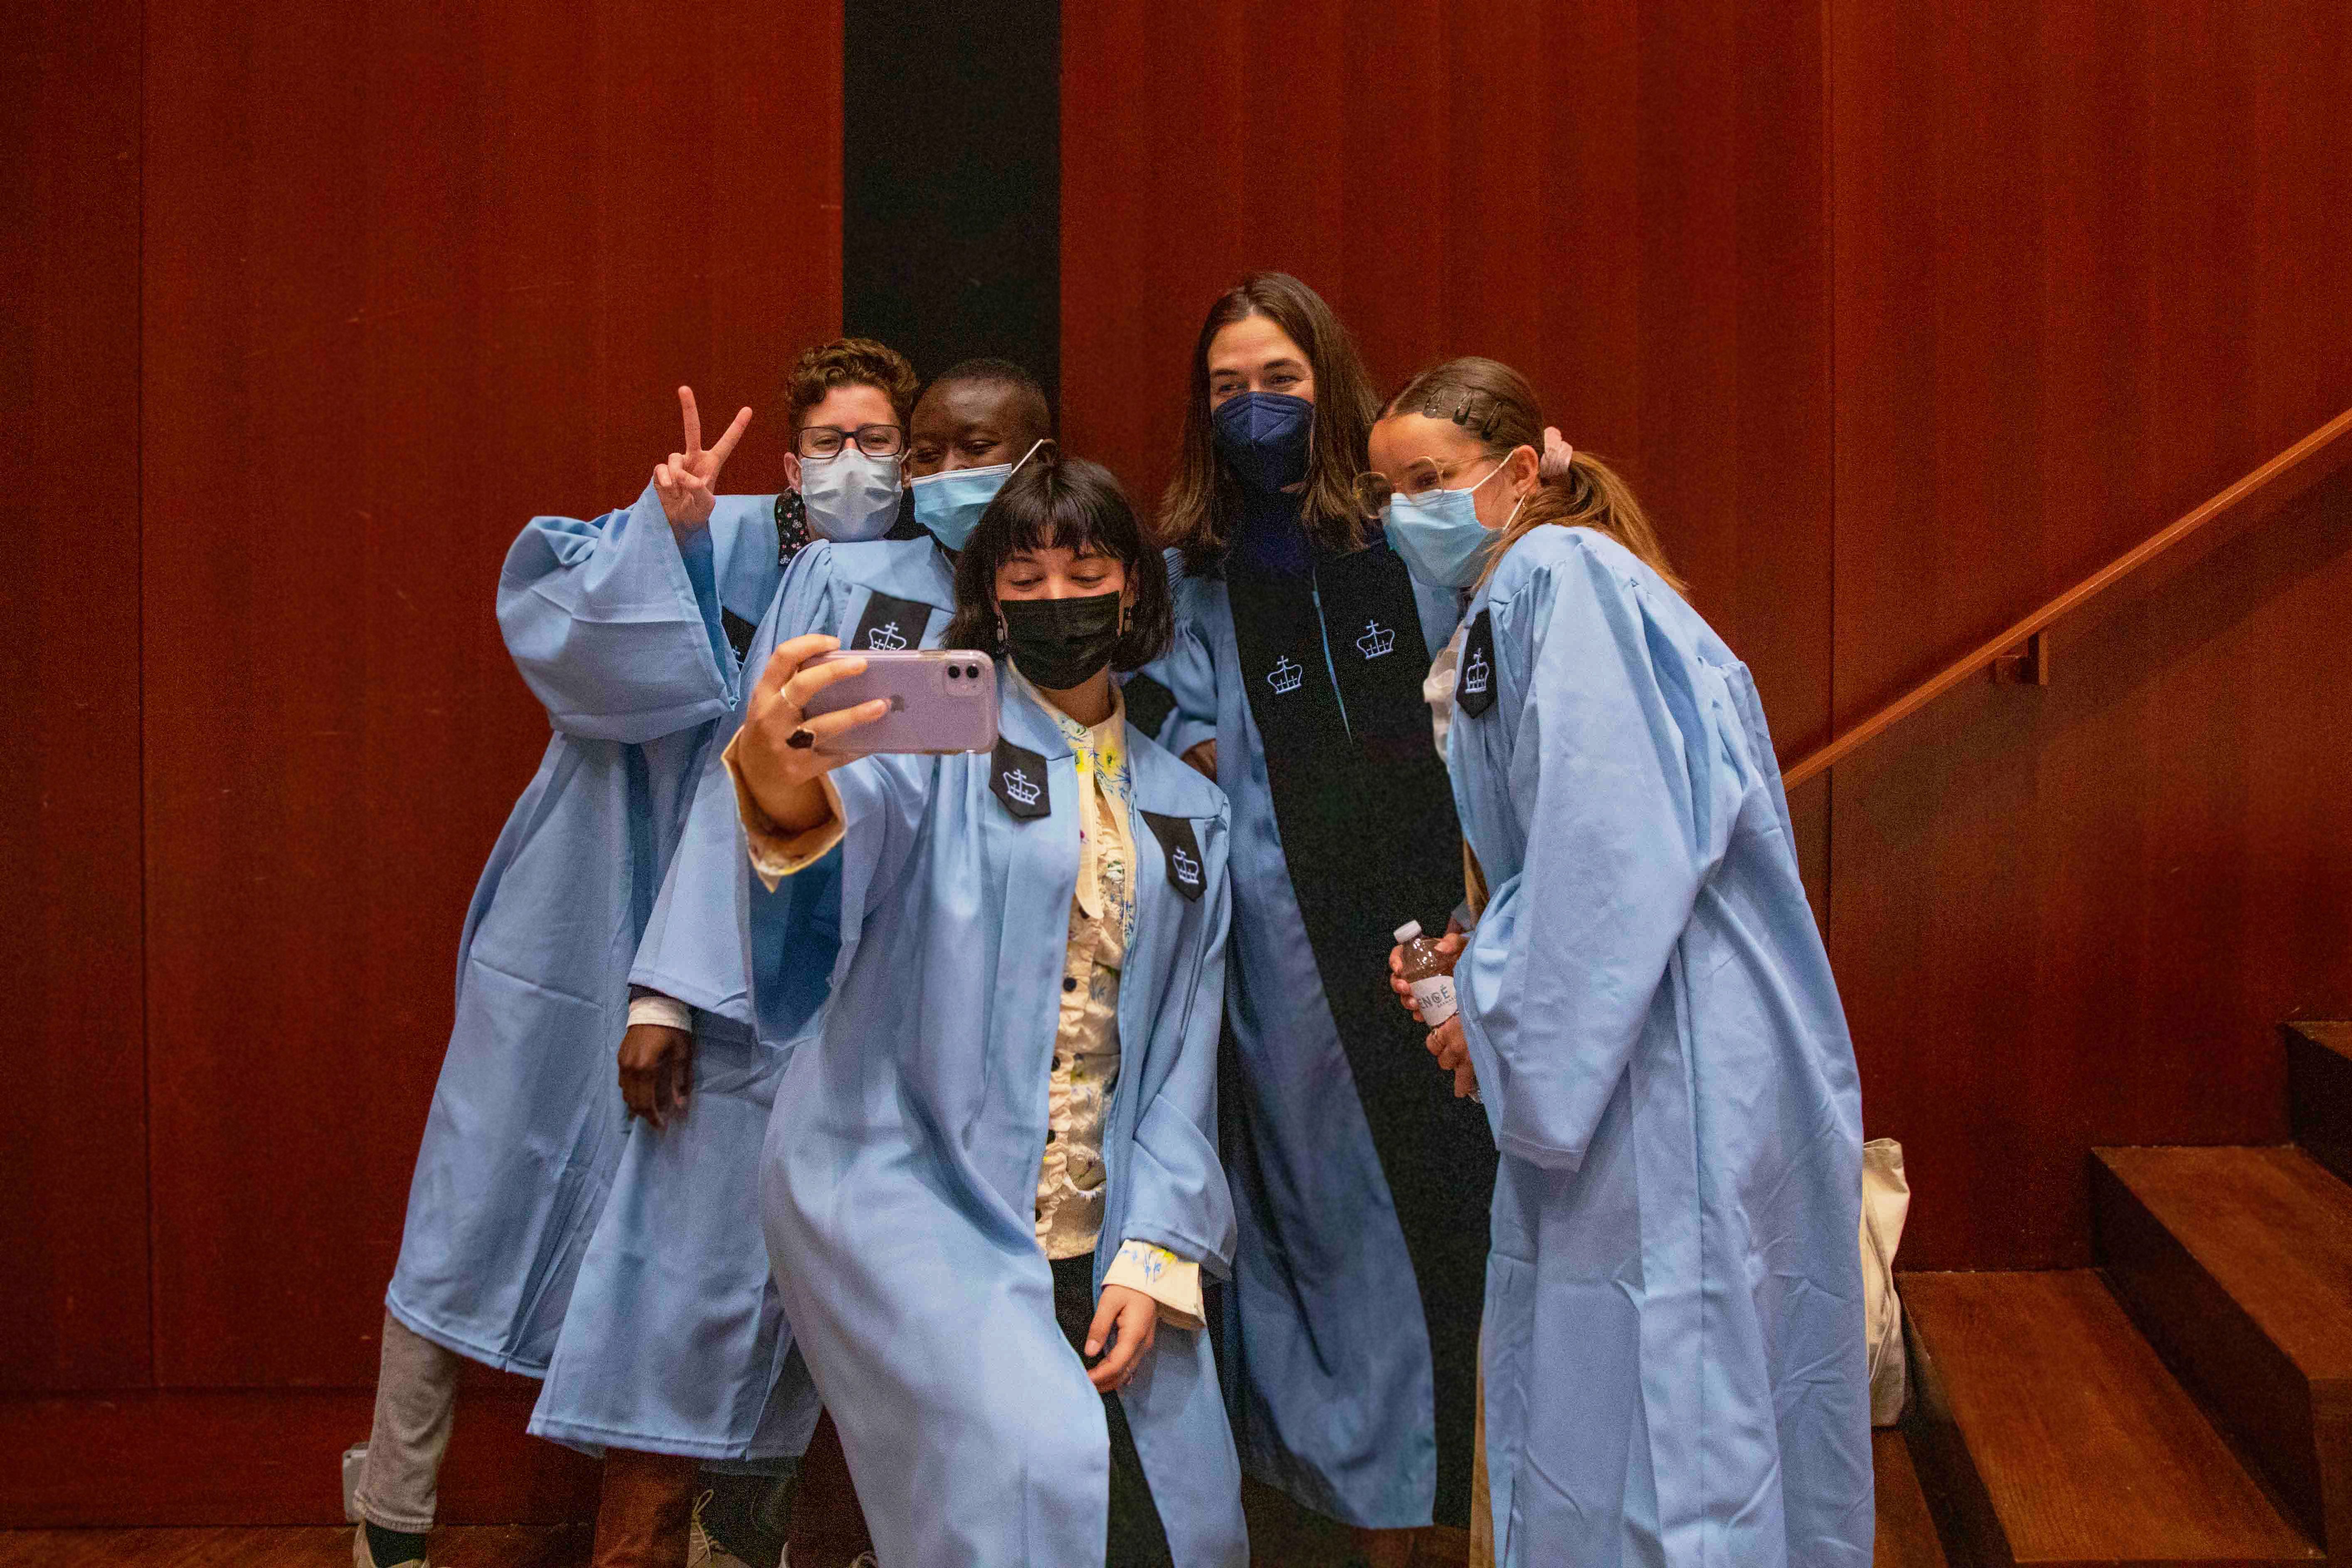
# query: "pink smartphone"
{"points": [[941, 700]]}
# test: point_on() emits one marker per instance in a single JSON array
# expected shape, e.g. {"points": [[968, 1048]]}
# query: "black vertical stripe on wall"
{"points": [[951, 150]]}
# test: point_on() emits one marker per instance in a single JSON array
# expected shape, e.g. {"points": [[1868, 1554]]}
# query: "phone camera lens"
{"points": [[953, 672], [972, 670]]}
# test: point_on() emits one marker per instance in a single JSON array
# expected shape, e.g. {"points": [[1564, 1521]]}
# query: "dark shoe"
{"points": [[363, 1554]]}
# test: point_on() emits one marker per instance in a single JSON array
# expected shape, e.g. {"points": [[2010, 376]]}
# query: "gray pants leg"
{"points": [[415, 1394]]}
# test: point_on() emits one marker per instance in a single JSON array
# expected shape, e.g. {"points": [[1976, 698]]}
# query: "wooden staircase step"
{"points": [[1907, 1531], [2237, 1263], [2055, 1436], [2319, 1092]]}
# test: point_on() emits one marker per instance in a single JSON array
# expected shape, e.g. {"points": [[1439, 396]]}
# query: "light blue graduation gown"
{"points": [[710, 919], [617, 629], [676, 1341], [1674, 1366], [901, 1176], [1326, 1344]]}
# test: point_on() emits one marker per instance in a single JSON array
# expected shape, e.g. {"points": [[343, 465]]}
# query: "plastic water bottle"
{"points": [[1429, 970]]}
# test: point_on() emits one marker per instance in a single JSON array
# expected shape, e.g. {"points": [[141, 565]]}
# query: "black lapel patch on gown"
{"points": [[890, 624], [1018, 777], [1474, 682], [739, 633], [1186, 872]]}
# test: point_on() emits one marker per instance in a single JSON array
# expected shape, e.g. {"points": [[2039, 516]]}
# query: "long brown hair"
{"points": [[1203, 501], [1494, 405]]}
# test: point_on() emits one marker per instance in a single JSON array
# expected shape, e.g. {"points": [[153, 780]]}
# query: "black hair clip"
{"points": [[1474, 411]]}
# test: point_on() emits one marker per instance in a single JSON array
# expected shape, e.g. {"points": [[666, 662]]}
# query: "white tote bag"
{"points": [[1886, 1200]]}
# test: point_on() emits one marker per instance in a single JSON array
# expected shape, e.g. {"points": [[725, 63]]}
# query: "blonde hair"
{"points": [[1497, 407]]}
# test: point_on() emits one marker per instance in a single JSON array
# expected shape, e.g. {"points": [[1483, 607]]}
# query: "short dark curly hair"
{"points": [[850, 362], [1063, 504]]}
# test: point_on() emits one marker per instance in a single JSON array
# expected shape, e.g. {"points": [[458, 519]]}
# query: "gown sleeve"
{"points": [[1177, 1195], [1559, 975], [877, 803], [694, 945], [614, 622], [1187, 670], [743, 540], [1441, 613]]}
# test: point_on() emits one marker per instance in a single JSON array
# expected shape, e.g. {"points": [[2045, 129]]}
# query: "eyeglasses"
{"points": [[822, 441], [1421, 476]]}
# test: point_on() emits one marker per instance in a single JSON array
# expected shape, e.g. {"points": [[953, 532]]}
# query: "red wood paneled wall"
{"points": [[376, 283], [1621, 198], [73, 1161], [2093, 263], [1903, 320]]}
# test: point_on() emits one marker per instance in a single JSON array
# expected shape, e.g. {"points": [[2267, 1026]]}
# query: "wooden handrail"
{"points": [[2298, 468]]}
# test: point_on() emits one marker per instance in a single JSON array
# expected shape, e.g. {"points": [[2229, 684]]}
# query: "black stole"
{"points": [[1370, 833]]}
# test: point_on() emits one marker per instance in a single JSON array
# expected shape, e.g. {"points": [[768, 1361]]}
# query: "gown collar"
{"points": [[916, 569]]}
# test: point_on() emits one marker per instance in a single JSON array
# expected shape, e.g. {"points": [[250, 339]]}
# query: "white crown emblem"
{"points": [[1188, 870], [886, 635], [1021, 787], [1377, 640], [1286, 675], [1474, 673]]}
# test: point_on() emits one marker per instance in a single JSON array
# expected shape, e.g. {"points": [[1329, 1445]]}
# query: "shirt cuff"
{"points": [[1174, 1282], [653, 1007], [775, 853]]}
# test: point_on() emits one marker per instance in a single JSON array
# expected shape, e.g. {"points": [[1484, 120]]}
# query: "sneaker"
{"points": [[702, 1551], [363, 1557]]}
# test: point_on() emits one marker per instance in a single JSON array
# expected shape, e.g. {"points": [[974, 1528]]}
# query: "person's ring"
{"points": [[801, 740]]}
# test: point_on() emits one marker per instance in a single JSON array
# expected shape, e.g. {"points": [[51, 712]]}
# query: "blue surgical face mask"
{"points": [[850, 496], [1439, 534], [1262, 436], [950, 503]]}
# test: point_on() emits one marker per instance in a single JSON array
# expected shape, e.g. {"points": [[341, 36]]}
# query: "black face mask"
{"points": [[1060, 643]]}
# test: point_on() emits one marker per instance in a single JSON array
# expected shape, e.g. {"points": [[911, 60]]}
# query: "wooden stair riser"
{"points": [[1907, 1535], [2319, 1092], [2245, 1383], [1956, 1495], [2049, 1434]]}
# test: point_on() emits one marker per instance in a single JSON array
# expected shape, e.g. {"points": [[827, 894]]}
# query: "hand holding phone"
{"points": [[938, 699], [775, 754]]}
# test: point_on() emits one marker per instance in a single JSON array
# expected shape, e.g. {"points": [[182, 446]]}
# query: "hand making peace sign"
{"points": [[689, 482]]}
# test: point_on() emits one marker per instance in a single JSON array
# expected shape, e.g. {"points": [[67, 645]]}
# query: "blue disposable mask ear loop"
{"points": [[1442, 547], [950, 522]]}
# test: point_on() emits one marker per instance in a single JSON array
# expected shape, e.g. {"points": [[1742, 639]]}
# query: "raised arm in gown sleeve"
{"points": [[698, 941], [613, 623]]}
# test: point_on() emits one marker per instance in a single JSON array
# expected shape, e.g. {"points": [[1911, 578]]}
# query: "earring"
{"points": [[1004, 633]]}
